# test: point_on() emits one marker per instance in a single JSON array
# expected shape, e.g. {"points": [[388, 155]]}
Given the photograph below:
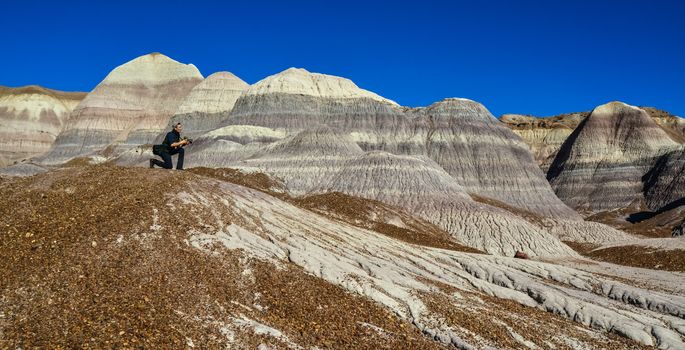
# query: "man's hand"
{"points": [[184, 141], [179, 144]]}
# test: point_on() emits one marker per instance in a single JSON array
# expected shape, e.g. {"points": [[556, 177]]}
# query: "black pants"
{"points": [[167, 159]]}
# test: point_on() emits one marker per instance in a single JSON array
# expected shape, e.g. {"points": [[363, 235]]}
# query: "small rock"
{"points": [[521, 255], [94, 244]]}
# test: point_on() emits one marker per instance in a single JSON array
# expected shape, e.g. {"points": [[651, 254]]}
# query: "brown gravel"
{"points": [[83, 267], [636, 256], [668, 122], [563, 121], [35, 89], [373, 215], [86, 266], [315, 313], [658, 226], [525, 214], [257, 181]]}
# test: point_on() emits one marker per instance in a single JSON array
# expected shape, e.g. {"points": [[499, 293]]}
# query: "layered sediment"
{"points": [[31, 118], [460, 135], [544, 136], [320, 160], [487, 158], [601, 165], [208, 103], [665, 183], [130, 107]]}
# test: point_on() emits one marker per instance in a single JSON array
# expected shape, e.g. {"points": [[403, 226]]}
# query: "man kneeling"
{"points": [[173, 144]]}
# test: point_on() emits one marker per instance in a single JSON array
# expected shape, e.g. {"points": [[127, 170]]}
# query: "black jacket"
{"points": [[172, 136]]}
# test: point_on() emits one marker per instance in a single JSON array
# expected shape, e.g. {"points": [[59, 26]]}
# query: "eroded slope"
{"points": [[173, 258]]}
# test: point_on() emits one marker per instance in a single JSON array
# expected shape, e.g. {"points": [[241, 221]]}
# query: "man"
{"points": [[172, 145]]}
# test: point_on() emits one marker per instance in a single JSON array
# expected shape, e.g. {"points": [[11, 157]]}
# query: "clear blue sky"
{"points": [[533, 57]]}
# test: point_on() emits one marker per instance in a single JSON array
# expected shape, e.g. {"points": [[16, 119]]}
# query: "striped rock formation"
{"points": [[460, 135], [487, 158], [601, 164], [209, 103], [295, 99], [321, 160], [665, 183], [131, 106], [315, 139], [31, 117], [544, 136]]}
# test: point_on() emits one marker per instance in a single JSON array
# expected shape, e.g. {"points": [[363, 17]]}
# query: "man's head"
{"points": [[178, 127]]}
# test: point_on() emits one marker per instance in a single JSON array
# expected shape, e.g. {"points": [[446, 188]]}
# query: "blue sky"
{"points": [[531, 57]]}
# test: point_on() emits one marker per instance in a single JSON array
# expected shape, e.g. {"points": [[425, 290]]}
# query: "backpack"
{"points": [[157, 149], [164, 147]]}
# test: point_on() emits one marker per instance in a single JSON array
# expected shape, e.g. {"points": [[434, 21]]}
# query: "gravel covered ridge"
{"points": [[91, 259], [634, 255], [102, 257]]}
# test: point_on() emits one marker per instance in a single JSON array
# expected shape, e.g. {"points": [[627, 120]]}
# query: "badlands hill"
{"points": [[319, 214], [208, 103], [31, 117], [545, 135], [257, 127], [131, 106], [665, 184], [601, 165], [274, 130], [461, 136], [216, 258], [619, 150], [321, 133]]}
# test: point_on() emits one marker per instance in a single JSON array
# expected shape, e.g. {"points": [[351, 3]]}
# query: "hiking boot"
{"points": [[152, 163]]}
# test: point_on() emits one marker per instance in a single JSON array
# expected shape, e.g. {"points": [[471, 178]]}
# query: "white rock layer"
{"points": [[298, 81], [209, 103]]}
